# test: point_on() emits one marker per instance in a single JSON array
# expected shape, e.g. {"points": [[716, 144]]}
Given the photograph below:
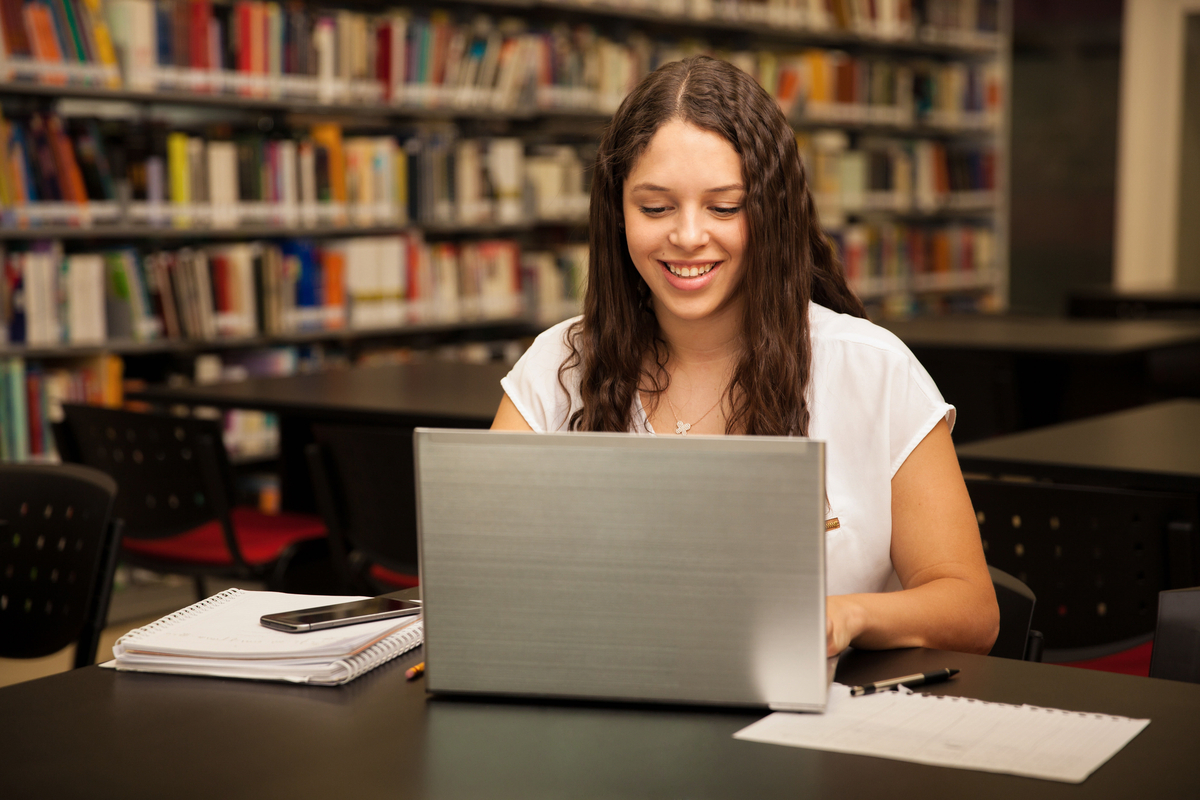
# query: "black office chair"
{"points": [[58, 547], [177, 497], [1176, 653], [1096, 558], [1016, 639], [364, 484]]}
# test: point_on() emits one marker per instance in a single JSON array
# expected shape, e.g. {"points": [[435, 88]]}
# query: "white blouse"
{"points": [[870, 400]]}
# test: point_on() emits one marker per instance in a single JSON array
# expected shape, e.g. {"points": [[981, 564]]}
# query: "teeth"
{"points": [[689, 272]]}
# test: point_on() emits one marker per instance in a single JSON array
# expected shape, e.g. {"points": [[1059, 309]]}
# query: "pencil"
{"points": [[415, 672]]}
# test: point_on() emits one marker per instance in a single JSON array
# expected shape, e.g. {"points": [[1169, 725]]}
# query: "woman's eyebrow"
{"points": [[653, 187]]}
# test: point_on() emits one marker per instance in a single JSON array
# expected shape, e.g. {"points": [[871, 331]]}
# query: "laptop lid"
{"points": [[609, 566]]}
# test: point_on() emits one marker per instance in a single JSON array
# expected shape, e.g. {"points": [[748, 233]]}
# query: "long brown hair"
{"points": [[788, 260]]}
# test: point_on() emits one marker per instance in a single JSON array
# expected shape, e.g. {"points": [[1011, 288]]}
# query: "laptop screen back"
{"points": [[672, 569]]}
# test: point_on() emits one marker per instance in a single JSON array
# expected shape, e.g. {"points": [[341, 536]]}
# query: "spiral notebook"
{"points": [[1046, 743], [222, 637]]}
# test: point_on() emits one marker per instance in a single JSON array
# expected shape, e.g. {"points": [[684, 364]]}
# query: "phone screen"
{"points": [[342, 613]]}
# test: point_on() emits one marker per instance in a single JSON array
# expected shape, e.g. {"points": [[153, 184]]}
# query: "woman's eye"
{"points": [[726, 211], [653, 211]]}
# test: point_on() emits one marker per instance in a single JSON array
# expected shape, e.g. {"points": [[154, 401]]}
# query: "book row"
{"points": [[248, 289], [896, 176], [258, 47], [433, 60], [31, 397], [77, 172], [244, 290], [828, 86], [58, 41], [887, 257]]}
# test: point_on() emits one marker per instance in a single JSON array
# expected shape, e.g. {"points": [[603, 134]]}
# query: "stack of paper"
{"points": [[222, 637]]}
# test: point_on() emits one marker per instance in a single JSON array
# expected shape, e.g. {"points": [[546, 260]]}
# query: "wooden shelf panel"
{"points": [[151, 233], [918, 129], [511, 325], [722, 24]]}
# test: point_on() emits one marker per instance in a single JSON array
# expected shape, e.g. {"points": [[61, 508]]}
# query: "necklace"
{"points": [[682, 427]]}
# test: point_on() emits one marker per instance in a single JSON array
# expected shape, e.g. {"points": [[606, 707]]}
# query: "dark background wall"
{"points": [[1065, 86]]}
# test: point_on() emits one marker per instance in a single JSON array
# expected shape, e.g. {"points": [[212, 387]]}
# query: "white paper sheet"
{"points": [[955, 732]]}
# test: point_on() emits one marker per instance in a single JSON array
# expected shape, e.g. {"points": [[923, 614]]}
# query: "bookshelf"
{"points": [[273, 156]]}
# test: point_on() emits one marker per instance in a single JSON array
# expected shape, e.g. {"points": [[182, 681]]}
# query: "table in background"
{"points": [[439, 394], [156, 736], [1096, 516], [1154, 447], [1108, 303], [1008, 374]]}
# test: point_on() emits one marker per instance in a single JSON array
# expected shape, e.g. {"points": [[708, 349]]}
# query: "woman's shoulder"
{"points": [[552, 344], [534, 384], [830, 328], [862, 370]]}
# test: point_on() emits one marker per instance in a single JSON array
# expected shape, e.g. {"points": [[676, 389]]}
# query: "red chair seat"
{"points": [[1134, 661], [397, 579], [262, 538]]}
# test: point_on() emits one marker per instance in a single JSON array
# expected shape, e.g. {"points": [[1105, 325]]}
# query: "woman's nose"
{"points": [[690, 232]]}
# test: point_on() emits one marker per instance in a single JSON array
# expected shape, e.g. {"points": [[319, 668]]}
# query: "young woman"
{"points": [[715, 305]]}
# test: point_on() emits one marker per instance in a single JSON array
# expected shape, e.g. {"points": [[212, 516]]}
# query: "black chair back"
{"points": [[1176, 654], [1096, 558], [364, 481], [57, 556], [173, 471], [1016, 601]]}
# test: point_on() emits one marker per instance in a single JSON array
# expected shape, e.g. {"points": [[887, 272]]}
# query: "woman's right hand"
{"points": [[844, 620]]}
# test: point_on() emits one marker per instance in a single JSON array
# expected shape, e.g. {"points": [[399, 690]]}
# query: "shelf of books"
{"points": [[210, 179]]}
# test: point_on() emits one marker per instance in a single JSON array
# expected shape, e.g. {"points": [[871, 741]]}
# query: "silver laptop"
{"points": [[617, 567]]}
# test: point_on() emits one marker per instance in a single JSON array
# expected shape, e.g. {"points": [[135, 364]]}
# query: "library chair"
{"points": [[363, 480], [1176, 652], [1096, 558], [177, 498], [58, 550], [1016, 638]]}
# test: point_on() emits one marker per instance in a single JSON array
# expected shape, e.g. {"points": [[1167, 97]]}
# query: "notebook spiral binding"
{"points": [[181, 614], [383, 651]]}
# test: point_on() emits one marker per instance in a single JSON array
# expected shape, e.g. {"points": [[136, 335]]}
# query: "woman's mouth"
{"points": [[689, 270]]}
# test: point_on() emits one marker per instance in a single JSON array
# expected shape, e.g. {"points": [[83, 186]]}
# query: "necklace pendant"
{"points": [[682, 427]]}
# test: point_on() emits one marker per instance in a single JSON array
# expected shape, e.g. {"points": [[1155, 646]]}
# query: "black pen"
{"points": [[920, 679]]}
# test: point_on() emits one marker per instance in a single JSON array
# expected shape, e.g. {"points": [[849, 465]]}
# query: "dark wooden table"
{"points": [[1109, 303], [439, 394], [1008, 374], [1154, 447], [153, 736], [1045, 335]]}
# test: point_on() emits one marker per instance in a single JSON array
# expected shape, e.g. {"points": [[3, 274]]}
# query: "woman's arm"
{"points": [[508, 418], [948, 601]]}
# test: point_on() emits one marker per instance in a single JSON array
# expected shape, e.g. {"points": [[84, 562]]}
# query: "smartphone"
{"points": [[314, 619]]}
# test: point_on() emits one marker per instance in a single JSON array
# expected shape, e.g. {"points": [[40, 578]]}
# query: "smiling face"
{"points": [[684, 222]]}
